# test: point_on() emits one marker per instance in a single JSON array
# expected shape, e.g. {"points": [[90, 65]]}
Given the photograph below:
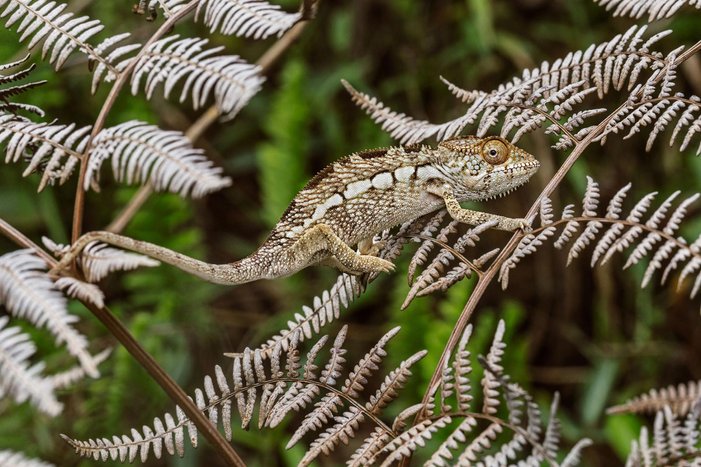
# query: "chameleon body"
{"points": [[353, 199]]}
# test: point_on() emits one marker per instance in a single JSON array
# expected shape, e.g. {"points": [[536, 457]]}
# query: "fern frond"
{"points": [[69, 377], [142, 153], [489, 384], [80, 290], [171, 60], [421, 254], [442, 272], [347, 424], [615, 64], [680, 399], [5, 93], [246, 18], [53, 150], [675, 441], [660, 113], [251, 381], [45, 21], [16, 459], [19, 379], [655, 237], [482, 436], [28, 293], [655, 9]]}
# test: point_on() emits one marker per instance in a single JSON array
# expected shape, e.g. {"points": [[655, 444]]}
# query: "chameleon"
{"points": [[351, 200]]}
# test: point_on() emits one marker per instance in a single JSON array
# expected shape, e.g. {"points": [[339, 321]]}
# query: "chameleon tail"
{"points": [[239, 272]]}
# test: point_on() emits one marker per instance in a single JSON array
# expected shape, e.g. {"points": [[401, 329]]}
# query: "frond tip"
{"points": [[28, 293], [644, 232], [142, 153], [680, 399], [232, 81], [246, 18]]}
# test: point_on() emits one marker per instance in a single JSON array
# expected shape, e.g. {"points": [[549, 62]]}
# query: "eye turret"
{"points": [[495, 151]]}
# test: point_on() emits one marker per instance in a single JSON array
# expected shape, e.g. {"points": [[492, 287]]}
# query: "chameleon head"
{"points": [[487, 167]]}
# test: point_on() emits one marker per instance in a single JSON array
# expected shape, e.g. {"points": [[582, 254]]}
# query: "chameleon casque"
{"points": [[356, 197]]}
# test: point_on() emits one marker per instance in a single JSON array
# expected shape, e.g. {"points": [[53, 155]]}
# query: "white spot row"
{"points": [[381, 181]]}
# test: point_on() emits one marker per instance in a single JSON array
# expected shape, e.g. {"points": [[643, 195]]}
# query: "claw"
{"points": [[525, 226]]}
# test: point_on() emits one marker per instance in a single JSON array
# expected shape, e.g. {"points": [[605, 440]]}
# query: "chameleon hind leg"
{"points": [[322, 238]]}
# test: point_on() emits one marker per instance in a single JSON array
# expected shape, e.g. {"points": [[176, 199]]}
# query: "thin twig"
{"points": [[130, 210]]}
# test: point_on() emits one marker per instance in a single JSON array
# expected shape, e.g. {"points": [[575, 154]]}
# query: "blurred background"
{"points": [[592, 335]]}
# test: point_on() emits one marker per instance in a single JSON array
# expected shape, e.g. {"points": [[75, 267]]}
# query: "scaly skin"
{"points": [[353, 199]]}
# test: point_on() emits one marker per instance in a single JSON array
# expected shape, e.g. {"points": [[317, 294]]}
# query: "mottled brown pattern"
{"points": [[357, 197]]}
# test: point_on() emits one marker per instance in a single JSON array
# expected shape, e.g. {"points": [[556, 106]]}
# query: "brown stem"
{"points": [[115, 326], [79, 204], [130, 210]]}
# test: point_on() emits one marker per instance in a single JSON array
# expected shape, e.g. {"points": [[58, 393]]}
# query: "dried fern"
{"points": [[27, 292], [169, 61], [142, 153], [655, 9], [480, 435], [675, 441], [246, 18], [139, 153], [54, 150], [649, 234], [282, 382], [17, 378], [448, 266], [615, 64], [45, 21], [679, 399]]}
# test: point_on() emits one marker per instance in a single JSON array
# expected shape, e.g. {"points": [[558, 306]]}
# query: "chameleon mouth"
{"points": [[522, 172]]}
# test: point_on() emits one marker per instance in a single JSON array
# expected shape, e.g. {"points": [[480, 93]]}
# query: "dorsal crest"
{"points": [[463, 144]]}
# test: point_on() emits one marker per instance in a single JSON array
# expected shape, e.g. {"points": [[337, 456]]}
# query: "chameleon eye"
{"points": [[495, 152]]}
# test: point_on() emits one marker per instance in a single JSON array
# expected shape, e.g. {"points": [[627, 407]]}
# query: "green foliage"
{"points": [[281, 158]]}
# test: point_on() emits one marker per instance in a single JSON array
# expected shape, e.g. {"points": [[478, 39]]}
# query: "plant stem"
{"points": [[118, 330], [79, 204]]}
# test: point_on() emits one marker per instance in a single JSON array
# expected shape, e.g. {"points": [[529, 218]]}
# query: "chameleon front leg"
{"points": [[470, 217], [322, 238]]}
